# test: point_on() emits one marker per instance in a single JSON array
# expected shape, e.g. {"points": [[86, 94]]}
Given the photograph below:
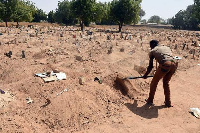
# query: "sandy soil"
{"points": [[91, 107]]}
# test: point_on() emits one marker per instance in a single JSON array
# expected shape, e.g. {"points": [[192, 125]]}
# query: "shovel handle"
{"points": [[137, 77]]}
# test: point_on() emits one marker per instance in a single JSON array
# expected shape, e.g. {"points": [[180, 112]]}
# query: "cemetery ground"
{"points": [[87, 99]]}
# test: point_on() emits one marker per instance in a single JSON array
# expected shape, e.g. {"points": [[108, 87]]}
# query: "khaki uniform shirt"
{"points": [[161, 53]]}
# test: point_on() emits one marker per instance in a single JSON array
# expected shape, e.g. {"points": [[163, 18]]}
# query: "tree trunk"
{"points": [[120, 27], [6, 23], [82, 25], [17, 24]]}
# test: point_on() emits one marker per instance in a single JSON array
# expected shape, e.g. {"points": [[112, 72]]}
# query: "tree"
{"points": [[39, 15], [99, 12], [143, 21], [24, 11], [186, 19], [178, 20], [51, 17], [169, 21], [125, 11], [141, 13], [64, 14], [163, 21], [154, 19], [6, 10], [106, 17], [197, 9], [83, 10], [191, 20]]}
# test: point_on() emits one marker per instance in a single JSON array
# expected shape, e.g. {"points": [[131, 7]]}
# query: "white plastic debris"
{"points": [[51, 76], [29, 100], [61, 76], [198, 64], [195, 111], [62, 92]]}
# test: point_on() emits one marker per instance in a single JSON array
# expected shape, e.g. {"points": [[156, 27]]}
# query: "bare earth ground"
{"points": [[94, 107]]}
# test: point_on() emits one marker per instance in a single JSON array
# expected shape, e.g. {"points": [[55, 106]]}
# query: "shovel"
{"points": [[135, 77]]}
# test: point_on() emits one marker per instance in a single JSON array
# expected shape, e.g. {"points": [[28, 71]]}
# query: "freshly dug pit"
{"points": [[126, 87]]}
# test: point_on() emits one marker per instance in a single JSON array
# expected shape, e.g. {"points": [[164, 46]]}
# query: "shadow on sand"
{"points": [[146, 111]]}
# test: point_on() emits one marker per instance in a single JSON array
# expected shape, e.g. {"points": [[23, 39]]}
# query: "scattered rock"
{"points": [[121, 49], [81, 80], [79, 58]]}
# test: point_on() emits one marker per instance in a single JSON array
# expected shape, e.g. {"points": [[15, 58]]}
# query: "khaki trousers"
{"points": [[164, 71]]}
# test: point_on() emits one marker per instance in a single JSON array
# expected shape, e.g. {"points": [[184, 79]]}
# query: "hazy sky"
{"points": [[163, 8]]}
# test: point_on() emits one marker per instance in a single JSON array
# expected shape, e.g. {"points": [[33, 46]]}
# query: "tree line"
{"points": [[72, 12], [188, 19], [20, 11], [83, 12]]}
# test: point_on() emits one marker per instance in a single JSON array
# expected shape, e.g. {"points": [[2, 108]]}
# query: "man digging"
{"points": [[167, 67]]}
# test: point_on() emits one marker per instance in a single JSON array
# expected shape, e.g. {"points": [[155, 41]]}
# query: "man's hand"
{"points": [[145, 76]]}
